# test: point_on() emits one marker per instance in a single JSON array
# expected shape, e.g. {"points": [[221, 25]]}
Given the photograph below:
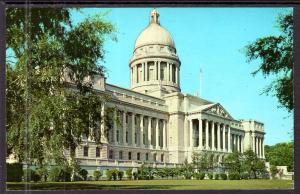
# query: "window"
{"points": [[86, 151], [126, 136], [147, 156], [129, 155], [97, 152], [111, 153], [162, 158], [154, 157], [135, 137], [144, 138], [120, 155], [138, 156], [173, 73], [126, 118]]}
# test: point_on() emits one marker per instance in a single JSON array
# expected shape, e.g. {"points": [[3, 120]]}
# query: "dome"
{"points": [[154, 34]]}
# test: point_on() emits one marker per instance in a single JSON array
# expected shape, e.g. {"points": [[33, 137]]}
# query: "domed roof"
{"points": [[154, 34]]}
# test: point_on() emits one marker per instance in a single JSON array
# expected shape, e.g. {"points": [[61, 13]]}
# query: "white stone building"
{"points": [[159, 124]]}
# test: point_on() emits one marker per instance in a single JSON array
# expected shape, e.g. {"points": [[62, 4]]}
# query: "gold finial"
{"points": [[154, 16]]}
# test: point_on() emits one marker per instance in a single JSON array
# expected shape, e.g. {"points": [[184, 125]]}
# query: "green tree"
{"points": [[97, 174], [45, 113], [187, 169], [273, 171], [281, 154], [201, 161], [253, 165], [276, 57], [233, 162]]}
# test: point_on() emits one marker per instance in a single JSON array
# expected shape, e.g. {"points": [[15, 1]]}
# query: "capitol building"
{"points": [[155, 123]]}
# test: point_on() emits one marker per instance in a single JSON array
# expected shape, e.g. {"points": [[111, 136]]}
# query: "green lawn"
{"points": [[157, 185]]}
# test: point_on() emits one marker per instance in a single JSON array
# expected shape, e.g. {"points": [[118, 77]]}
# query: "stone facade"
{"points": [[158, 125]]}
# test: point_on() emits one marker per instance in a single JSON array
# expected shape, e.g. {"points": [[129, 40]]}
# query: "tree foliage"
{"points": [[233, 162], [253, 165], [44, 114], [281, 154], [276, 58]]}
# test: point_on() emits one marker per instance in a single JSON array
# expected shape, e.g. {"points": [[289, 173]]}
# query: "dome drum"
{"points": [[155, 65]]}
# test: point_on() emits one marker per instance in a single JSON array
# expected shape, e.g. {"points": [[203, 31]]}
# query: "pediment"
{"points": [[218, 110]]}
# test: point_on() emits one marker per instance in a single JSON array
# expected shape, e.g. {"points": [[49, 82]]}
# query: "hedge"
{"points": [[14, 172], [223, 176], [234, 176]]}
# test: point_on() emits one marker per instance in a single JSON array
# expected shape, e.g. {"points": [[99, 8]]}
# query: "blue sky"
{"points": [[212, 38]]}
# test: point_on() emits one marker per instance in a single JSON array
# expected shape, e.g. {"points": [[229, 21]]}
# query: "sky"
{"points": [[212, 39]]}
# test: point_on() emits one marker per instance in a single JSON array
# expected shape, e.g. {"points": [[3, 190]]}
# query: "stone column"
{"points": [[257, 146], [164, 135], [191, 133], [124, 128], [213, 130], [218, 137], [157, 134], [242, 144], [263, 147], [159, 70], [200, 133], [146, 71], [253, 142], [141, 131], [229, 140], [168, 71], [238, 143], [224, 130], [149, 132], [206, 135], [176, 75], [133, 130], [115, 127]]}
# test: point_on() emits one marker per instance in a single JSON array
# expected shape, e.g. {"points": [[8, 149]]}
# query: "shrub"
{"points": [[129, 173], [14, 172], [114, 173], [245, 175], [217, 176], [273, 171], [135, 175], [57, 174], [43, 173], [109, 175], [83, 173], [234, 176], [31, 175], [199, 176], [210, 176], [120, 175], [97, 174], [223, 176]]}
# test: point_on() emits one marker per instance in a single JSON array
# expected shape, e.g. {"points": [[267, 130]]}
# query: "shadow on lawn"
{"points": [[60, 186]]}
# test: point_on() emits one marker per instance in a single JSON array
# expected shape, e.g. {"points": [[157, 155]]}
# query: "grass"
{"points": [[157, 185]]}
